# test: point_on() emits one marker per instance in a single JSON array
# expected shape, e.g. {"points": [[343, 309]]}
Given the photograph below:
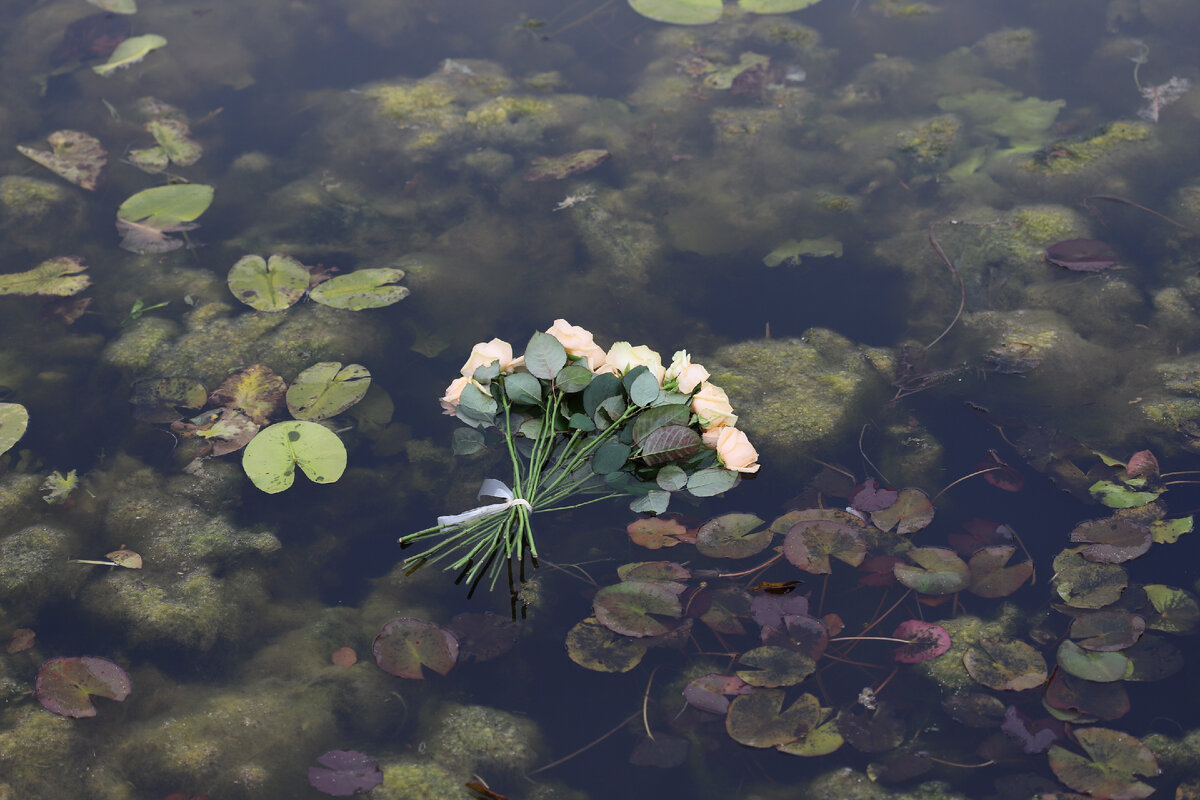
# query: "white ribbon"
{"points": [[490, 488]]}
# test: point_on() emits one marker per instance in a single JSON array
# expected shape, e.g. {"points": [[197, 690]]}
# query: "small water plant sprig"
{"points": [[576, 420]]}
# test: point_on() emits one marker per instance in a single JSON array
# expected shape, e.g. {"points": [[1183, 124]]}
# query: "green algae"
{"points": [[39, 753], [1069, 156], [477, 739], [931, 142], [414, 779], [32, 566], [947, 670]]}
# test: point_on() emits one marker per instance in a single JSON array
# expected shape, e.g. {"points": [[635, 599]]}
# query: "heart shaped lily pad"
{"points": [[268, 285], [66, 685], [272, 456], [405, 645], [327, 389]]}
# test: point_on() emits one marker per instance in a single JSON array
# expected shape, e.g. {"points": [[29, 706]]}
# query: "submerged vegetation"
{"points": [[859, 216]]}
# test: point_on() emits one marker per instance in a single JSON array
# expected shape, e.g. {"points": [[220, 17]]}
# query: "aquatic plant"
{"points": [[575, 419], [703, 12], [74, 156], [145, 218]]}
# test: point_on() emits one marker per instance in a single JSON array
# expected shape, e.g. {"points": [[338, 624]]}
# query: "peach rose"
{"points": [[485, 353], [687, 376], [734, 450], [711, 406], [454, 391], [577, 342], [623, 356]]}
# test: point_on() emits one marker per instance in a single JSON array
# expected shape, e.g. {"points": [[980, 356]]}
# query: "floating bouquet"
{"points": [[577, 420]]}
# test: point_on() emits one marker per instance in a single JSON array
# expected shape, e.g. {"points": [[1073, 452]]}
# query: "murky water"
{"points": [[844, 144]]}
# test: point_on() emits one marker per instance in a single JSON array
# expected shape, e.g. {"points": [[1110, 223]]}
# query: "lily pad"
{"points": [[1175, 610], [326, 389], [1153, 658], [775, 6], [130, 52], [732, 536], [1117, 495], [1086, 584], [55, 277], [925, 641], [594, 646], [775, 666], [405, 645], [255, 390], [363, 288], [1005, 664], [1092, 665], [224, 429], [145, 219], [349, 772], [665, 572], [556, 168], [483, 636], [175, 139], [14, 419], [1107, 630], [272, 456], [626, 608], [809, 544], [759, 719], [268, 285], [821, 740], [1109, 772], [679, 12], [872, 732], [116, 6], [989, 576], [711, 692], [66, 685], [935, 570], [911, 512], [655, 533], [1075, 699], [1168, 531], [73, 155], [1116, 539]]}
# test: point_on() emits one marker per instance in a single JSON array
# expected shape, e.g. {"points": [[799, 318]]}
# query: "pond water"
{"points": [[841, 211]]}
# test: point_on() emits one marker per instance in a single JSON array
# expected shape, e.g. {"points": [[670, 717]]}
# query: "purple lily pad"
{"points": [[925, 641], [350, 772], [66, 685], [1082, 255]]}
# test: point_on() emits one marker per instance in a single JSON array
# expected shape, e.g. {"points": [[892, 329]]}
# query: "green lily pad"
{"points": [[732, 536], [145, 218], [810, 543], [405, 645], [759, 719], [268, 285], [1107, 630], [775, 666], [728, 605], [1115, 539], [152, 159], [255, 390], [130, 52], [1087, 584], [911, 512], [936, 570], [626, 608], [594, 646], [1168, 531], [1109, 772], [326, 389], [116, 6], [989, 576], [679, 12], [669, 572], [66, 685], [73, 156], [872, 732], [1116, 495], [175, 138], [1005, 664], [1092, 665], [1153, 658], [272, 456], [820, 741], [14, 419], [1176, 610], [55, 277], [363, 288], [775, 6], [723, 76]]}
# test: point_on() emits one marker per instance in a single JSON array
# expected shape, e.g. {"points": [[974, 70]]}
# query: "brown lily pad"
{"points": [[74, 156]]}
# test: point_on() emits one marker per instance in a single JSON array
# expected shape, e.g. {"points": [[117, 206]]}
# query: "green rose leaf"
{"points": [[573, 378], [271, 458], [466, 441], [268, 285], [653, 502], [670, 443], [711, 481], [14, 419], [363, 288], [544, 356], [671, 478], [327, 389], [610, 457], [523, 389]]}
